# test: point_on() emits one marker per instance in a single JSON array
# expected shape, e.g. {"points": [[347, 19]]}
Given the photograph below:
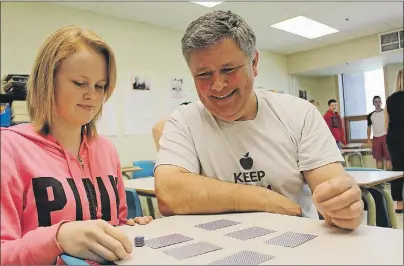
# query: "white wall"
{"points": [[148, 49], [321, 89]]}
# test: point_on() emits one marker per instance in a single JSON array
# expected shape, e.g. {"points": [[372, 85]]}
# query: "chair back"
{"points": [[147, 169], [133, 202]]}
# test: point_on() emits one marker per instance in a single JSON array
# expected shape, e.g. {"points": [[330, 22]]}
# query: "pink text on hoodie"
{"points": [[42, 185]]}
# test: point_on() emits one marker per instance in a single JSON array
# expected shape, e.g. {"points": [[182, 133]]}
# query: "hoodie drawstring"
{"points": [[94, 180]]}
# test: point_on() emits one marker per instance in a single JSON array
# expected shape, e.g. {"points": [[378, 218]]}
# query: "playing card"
{"points": [[250, 233], [214, 225], [191, 250], [245, 257], [167, 240], [290, 239]]}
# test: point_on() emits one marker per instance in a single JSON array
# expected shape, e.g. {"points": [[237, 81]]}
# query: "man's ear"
{"points": [[255, 63]]}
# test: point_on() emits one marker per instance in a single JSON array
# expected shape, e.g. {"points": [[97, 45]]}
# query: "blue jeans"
{"points": [[339, 144]]}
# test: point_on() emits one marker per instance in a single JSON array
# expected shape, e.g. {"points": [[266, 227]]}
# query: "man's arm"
{"points": [[342, 131], [336, 195], [181, 192], [369, 118], [369, 132], [322, 174]]}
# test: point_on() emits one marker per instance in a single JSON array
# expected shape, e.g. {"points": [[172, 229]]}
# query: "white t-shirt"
{"points": [[376, 119], [287, 136]]}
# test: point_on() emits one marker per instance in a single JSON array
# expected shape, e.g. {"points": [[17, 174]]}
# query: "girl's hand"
{"points": [[95, 240], [139, 220]]}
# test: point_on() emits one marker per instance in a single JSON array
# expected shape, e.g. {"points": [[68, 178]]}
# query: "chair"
{"points": [[70, 260], [147, 170], [134, 210], [133, 202]]}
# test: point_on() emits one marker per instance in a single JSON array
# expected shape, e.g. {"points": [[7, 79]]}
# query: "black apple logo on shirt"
{"points": [[246, 162]]}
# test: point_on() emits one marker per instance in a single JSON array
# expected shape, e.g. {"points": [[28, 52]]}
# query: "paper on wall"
{"points": [[108, 125]]}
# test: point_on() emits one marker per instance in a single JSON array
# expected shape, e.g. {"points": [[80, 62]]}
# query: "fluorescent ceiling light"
{"points": [[305, 27], [208, 4]]}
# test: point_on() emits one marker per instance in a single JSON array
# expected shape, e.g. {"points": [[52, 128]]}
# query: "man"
{"points": [[334, 122], [240, 150], [379, 147]]}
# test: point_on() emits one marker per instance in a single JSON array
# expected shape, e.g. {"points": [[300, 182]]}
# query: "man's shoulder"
{"points": [[192, 112], [282, 103], [370, 114]]}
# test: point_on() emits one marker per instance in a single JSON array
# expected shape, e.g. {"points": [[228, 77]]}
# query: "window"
{"points": [[358, 92]]}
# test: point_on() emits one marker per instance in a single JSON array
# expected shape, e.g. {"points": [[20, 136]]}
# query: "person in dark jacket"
{"points": [[394, 113]]}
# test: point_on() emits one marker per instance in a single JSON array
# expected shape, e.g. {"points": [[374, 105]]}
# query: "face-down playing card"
{"points": [[245, 257], [214, 225], [191, 250], [167, 240], [249, 233], [290, 239]]}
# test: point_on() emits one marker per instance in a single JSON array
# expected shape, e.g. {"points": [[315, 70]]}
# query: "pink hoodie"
{"points": [[42, 185]]}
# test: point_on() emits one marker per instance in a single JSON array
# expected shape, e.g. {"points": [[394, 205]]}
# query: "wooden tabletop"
{"points": [[141, 185], [367, 245], [130, 169]]}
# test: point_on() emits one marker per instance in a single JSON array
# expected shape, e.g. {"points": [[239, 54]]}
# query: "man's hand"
{"points": [[369, 143], [339, 200]]}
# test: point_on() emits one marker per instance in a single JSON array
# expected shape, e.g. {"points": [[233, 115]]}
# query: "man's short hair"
{"points": [[312, 101], [376, 97], [331, 101]]}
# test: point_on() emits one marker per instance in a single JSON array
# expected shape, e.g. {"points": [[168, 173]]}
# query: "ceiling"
{"points": [[364, 18]]}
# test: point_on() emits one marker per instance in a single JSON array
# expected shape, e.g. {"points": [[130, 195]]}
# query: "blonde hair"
{"points": [[400, 80], [41, 83]]}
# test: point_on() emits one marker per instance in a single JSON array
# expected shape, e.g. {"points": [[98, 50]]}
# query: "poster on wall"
{"points": [[303, 94], [141, 112], [177, 88], [140, 82]]}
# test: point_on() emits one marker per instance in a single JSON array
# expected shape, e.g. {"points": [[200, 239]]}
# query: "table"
{"points": [[353, 145], [365, 179], [366, 245], [376, 180], [352, 151], [130, 169], [144, 187]]}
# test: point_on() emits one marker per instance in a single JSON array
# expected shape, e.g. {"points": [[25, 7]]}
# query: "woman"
{"points": [[394, 113], [61, 184]]}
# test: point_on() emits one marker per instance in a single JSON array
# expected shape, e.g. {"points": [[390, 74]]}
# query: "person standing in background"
{"points": [[315, 103], [334, 122], [394, 123], [379, 147]]}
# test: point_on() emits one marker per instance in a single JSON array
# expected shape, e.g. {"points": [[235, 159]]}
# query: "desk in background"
{"points": [[126, 170], [144, 188], [354, 149], [366, 245], [376, 180]]}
